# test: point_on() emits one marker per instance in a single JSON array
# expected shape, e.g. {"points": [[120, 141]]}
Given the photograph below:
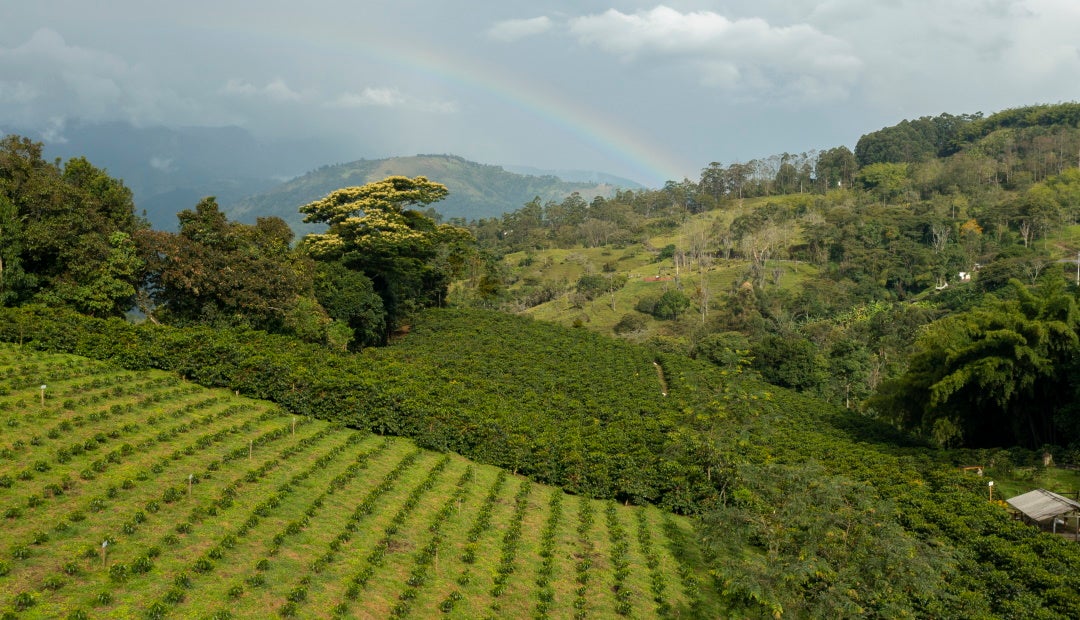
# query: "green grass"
{"points": [[278, 531]]}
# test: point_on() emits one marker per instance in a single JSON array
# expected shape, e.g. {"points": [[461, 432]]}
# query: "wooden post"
{"points": [[42, 394], [104, 544], [190, 479], [294, 425], [251, 443]]}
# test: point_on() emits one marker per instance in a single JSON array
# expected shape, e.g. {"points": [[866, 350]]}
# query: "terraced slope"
{"points": [[136, 494]]}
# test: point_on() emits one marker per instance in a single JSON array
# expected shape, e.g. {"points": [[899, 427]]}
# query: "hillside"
{"points": [[218, 506], [777, 479], [476, 190]]}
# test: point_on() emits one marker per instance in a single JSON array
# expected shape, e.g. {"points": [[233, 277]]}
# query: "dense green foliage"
{"points": [[998, 374], [65, 233], [224, 273]]}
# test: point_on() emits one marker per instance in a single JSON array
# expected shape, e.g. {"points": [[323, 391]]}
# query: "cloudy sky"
{"points": [[645, 90]]}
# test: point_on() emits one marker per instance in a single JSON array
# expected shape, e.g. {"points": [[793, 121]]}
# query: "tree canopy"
{"points": [[409, 258]]}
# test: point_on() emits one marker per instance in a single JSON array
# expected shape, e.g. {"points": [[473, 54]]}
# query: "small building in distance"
{"points": [[1047, 509]]}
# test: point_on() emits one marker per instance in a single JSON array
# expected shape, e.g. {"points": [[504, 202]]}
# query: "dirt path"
{"points": [[660, 376]]}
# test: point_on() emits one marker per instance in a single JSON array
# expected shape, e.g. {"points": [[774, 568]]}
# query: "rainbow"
{"points": [[648, 162]]}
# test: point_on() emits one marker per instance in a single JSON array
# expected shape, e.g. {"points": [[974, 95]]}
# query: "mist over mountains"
{"points": [[171, 168]]}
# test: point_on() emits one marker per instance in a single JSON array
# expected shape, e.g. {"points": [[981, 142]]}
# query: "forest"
{"points": [[799, 352]]}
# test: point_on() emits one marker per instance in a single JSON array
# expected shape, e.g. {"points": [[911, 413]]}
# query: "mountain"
{"points": [[577, 176], [476, 190]]}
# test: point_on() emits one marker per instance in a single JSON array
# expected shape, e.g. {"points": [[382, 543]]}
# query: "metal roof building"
{"points": [[1043, 507]]}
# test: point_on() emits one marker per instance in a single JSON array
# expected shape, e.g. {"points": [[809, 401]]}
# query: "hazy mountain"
{"points": [[577, 176], [171, 168], [476, 190]]}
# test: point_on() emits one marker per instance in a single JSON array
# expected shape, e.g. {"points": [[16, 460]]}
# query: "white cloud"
{"points": [[379, 96], [163, 164], [515, 29], [798, 61], [389, 97], [276, 90]]}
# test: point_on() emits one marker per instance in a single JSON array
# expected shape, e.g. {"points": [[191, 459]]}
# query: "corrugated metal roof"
{"points": [[1042, 505]]}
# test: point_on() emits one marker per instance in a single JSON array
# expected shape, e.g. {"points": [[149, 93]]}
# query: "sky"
{"points": [[644, 90]]}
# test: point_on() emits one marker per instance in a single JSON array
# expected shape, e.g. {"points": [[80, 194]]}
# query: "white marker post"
{"points": [[190, 479], [991, 485], [104, 544], [42, 394]]}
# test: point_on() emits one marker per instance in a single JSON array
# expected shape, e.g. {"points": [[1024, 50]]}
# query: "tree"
{"points": [[349, 297], [220, 272], [671, 304], [994, 375], [790, 361], [65, 232], [409, 259], [887, 180]]}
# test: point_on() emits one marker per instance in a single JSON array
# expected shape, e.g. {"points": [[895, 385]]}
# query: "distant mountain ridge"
{"points": [[577, 176], [476, 190]]}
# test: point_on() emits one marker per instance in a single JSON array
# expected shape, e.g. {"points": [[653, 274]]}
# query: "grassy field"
{"points": [[560, 268], [140, 495]]}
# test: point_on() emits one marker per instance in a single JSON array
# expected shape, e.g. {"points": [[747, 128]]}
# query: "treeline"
{"points": [[69, 236], [945, 156]]}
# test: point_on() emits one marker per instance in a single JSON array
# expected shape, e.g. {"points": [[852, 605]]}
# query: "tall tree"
{"points": [[221, 272], [64, 232], [374, 230]]}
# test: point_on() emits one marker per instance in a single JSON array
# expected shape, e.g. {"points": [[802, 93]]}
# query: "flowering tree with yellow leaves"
{"points": [[374, 229]]}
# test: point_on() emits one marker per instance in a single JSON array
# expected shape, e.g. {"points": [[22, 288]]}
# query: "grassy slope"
{"points": [[225, 547], [563, 267]]}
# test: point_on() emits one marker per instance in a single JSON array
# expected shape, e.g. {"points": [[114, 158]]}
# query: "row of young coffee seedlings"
{"points": [[98, 503], [365, 508], [429, 555], [65, 455], [620, 560], [119, 571], [52, 408], [338, 483], [690, 585], [21, 376], [64, 427], [586, 550], [208, 561], [657, 579], [545, 593], [481, 523], [377, 556], [510, 540]]}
